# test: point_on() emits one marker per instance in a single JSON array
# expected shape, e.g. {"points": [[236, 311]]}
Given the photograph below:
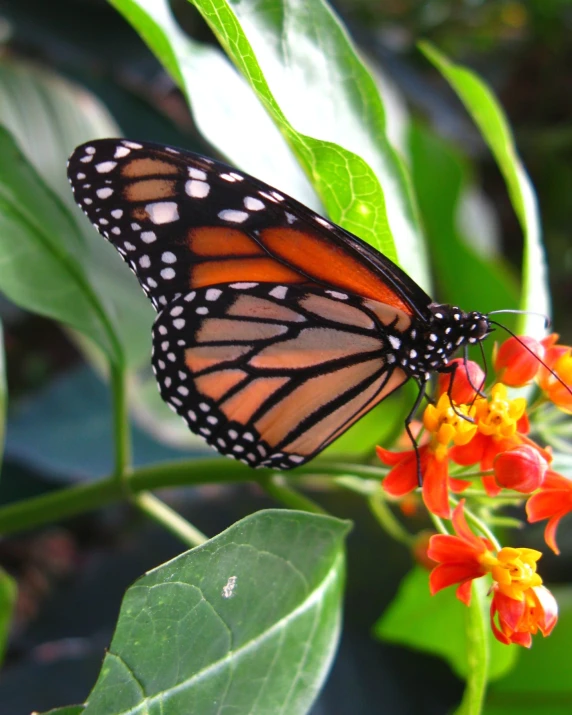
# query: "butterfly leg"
{"points": [[408, 420]]}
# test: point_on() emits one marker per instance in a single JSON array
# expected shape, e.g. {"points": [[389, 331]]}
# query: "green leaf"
{"points": [[7, 600], [540, 683], [489, 117], [42, 252], [247, 622], [48, 117], [214, 89], [437, 624], [475, 280], [304, 70], [3, 394], [67, 710]]}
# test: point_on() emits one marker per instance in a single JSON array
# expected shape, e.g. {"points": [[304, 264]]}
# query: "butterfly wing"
{"points": [[183, 222], [277, 329], [271, 374]]}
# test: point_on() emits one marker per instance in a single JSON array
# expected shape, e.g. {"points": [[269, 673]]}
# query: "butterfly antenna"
{"points": [[525, 346], [547, 321]]}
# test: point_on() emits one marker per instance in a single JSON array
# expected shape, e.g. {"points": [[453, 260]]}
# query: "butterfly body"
{"points": [[276, 329]]}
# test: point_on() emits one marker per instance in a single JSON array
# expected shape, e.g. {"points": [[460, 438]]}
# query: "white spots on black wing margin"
{"points": [[197, 189], [162, 212], [253, 204], [233, 216], [279, 292], [243, 286], [337, 294], [104, 167], [121, 152]]}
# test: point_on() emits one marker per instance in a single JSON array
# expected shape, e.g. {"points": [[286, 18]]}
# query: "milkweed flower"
{"points": [[462, 383], [445, 424], [501, 425], [552, 501], [459, 557], [521, 606], [522, 469], [559, 359], [517, 361], [519, 620]]}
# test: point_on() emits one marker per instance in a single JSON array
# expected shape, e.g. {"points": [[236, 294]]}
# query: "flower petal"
{"points": [[447, 574], [435, 487]]}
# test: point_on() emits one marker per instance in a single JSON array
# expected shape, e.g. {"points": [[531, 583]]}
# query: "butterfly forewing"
{"points": [[271, 374], [182, 222]]}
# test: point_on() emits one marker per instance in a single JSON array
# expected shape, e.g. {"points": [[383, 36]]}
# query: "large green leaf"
{"points": [[438, 624], [226, 110], [489, 117], [42, 253], [49, 117], [7, 601], [304, 70], [247, 622], [3, 394], [474, 279]]}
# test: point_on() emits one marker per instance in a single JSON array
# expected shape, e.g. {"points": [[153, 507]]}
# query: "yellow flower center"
{"points": [[513, 569], [498, 416], [563, 368], [448, 424]]}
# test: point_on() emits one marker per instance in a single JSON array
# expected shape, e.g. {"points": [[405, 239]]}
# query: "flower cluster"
{"points": [[480, 439]]}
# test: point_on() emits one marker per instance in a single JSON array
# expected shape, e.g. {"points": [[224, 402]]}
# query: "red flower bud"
{"points": [[468, 377], [419, 549], [515, 364], [522, 469]]}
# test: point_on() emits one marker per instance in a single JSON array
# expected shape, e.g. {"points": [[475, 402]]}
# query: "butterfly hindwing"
{"points": [[271, 374]]}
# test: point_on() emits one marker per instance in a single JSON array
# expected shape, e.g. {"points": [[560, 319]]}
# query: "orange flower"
{"points": [[467, 378], [501, 426], [522, 469], [520, 604], [444, 425], [459, 557], [516, 364], [519, 620], [559, 359], [552, 502]]}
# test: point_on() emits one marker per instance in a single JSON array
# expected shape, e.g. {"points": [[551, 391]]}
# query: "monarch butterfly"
{"points": [[276, 329]]}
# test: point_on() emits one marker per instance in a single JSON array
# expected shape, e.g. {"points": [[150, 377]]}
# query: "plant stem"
{"points": [[121, 430], [169, 518], [477, 653], [81, 498], [278, 489]]}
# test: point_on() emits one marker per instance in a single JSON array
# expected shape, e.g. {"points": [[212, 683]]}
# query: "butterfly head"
{"points": [[448, 329]]}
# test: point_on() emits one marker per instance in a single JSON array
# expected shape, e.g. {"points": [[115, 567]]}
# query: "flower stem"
{"points": [[483, 528], [385, 517], [169, 518], [275, 486], [477, 654]]}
